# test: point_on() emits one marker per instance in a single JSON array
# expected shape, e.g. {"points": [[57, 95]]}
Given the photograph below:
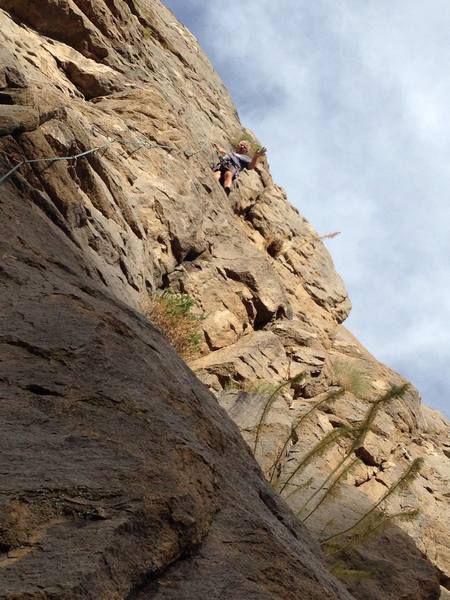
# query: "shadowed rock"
{"points": [[121, 476]]}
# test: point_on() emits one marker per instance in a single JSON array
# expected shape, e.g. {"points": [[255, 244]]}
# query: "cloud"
{"points": [[352, 100]]}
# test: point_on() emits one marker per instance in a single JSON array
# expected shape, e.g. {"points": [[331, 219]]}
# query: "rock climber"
{"points": [[231, 164]]}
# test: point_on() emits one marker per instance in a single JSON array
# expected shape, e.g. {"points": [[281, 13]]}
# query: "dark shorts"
{"points": [[227, 165]]}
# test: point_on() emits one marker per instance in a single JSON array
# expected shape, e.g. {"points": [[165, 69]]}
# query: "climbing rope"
{"points": [[139, 143], [50, 159]]}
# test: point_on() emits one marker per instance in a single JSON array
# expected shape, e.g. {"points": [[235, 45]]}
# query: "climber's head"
{"points": [[243, 147]]}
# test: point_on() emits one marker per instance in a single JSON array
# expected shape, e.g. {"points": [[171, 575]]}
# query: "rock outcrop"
{"points": [[121, 475]]}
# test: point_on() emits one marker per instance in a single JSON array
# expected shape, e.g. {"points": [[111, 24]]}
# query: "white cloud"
{"points": [[352, 100]]}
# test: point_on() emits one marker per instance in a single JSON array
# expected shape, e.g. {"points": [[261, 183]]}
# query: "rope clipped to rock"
{"points": [[140, 143]]}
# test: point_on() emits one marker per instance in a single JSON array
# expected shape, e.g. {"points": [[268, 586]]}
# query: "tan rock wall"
{"points": [[144, 212]]}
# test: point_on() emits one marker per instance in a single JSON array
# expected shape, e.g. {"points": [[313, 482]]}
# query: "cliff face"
{"points": [[121, 475]]}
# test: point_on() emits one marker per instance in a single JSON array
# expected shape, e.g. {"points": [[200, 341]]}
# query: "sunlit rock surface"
{"points": [[120, 475]]}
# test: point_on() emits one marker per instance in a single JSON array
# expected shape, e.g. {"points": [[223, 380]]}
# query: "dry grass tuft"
{"points": [[172, 313], [349, 378]]}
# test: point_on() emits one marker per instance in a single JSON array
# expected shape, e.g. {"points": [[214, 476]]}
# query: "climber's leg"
{"points": [[227, 181], [217, 175]]}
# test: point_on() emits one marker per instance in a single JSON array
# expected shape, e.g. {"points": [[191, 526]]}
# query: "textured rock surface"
{"points": [[121, 477]]}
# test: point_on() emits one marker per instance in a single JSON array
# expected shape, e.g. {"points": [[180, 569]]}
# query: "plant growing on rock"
{"points": [[340, 570], [270, 400], [358, 435], [375, 524], [172, 313], [349, 378], [375, 519], [403, 482], [293, 435], [331, 438], [148, 32], [258, 387]]}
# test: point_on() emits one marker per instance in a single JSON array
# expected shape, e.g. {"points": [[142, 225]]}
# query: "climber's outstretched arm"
{"points": [[219, 149], [256, 157]]}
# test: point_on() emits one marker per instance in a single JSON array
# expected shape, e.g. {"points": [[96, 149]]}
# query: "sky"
{"points": [[352, 100]]}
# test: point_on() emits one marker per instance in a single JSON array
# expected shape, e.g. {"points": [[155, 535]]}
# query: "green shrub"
{"points": [[172, 313]]}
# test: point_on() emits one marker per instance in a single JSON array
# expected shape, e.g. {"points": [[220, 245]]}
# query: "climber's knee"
{"points": [[228, 179]]}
